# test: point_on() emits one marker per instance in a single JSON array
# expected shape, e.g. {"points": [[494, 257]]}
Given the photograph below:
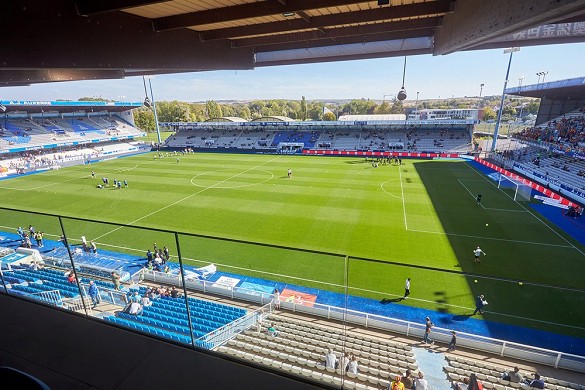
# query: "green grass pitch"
{"points": [[422, 215]]}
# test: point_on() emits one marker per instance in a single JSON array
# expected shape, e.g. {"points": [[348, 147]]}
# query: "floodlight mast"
{"points": [[149, 103], [496, 130]]}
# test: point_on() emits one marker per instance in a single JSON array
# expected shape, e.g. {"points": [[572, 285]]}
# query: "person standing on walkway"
{"points": [[428, 326], [453, 341], [93, 294], [407, 288], [116, 280]]}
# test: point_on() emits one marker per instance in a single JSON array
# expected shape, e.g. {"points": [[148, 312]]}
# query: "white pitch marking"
{"points": [[383, 189], [403, 204], [527, 210], [185, 198]]}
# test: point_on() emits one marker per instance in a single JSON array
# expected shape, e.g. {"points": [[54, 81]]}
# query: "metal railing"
{"points": [[411, 329]]}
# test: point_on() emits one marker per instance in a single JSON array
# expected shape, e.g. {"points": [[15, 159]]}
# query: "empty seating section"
{"points": [[43, 280], [167, 317], [342, 138], [300, 347], [309, 138], [491, 375]]}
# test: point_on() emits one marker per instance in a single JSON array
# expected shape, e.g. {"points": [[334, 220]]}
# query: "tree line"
{"points": [[303, 110]]}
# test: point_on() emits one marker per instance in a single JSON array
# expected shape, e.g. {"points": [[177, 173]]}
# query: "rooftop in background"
{"points": [[562, 89], [35, 106], [174, 36]]}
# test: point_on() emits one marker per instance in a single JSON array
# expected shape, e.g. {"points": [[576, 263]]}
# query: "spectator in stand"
{"points": [[515, 376], [407, 379], [272, 331], [421, 383], [536, 383], [133, 308], [145, 301], [397, 383], [464, 385], [474, 383], [71, 277], [344, 361], [330, 359], [175, 292], [353, 366]]}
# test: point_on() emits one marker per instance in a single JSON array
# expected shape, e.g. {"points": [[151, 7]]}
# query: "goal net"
{"points": [[521, 192]]}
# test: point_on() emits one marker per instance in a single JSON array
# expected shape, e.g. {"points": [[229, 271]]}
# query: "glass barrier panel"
{"points": [[254, 302]]}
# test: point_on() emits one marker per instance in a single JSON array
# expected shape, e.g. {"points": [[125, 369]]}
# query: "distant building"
{"points": [[381, 117], [442, 114]]}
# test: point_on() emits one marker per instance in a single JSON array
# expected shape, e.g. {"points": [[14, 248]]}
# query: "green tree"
{"points": [[303, 112], [532, 107], [509, 111], [144, 119], [329, 116], [174, 111], [213, 109], [488, 114], [383, 108], [93, 99], [315, 111], [243, 112], [397, 107]]}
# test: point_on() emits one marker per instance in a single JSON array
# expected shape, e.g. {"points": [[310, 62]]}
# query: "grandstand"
{"points": [[434, 136], [552, 152], [36, 135]]}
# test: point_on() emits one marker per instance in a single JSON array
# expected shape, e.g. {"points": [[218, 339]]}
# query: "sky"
{"points": [[454, 75]]}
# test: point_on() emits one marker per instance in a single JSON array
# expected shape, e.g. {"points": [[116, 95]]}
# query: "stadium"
{"points": [[313, 254]]}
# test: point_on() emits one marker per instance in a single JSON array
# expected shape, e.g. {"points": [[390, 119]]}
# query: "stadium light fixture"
{"points": [[480, 91], [543, 74], [520, 80], [511, 50], [288, 14]]}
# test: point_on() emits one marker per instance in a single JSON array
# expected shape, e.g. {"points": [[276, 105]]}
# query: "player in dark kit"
{"points": [[478, 199]]}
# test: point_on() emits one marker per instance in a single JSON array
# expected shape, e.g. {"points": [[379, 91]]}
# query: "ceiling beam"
{"points": [[92, 7], [32, 76], [374, 15], [386, 36], [243, 11], [339, 32], [477, 21], [350, 57]]}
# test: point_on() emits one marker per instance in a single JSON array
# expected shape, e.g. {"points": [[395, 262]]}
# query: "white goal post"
{"points": [[522, 191]]}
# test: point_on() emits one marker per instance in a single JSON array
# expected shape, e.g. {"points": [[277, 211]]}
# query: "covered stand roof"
{"points": [[118, 38]]}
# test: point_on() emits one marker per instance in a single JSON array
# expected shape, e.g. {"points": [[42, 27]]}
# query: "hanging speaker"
{"points": [[401, 94]]}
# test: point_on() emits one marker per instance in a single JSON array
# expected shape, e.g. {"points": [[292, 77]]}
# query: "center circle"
{"points": [[231, 178]]}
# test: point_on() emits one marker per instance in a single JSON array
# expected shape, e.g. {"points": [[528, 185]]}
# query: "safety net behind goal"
{"points": [[520, 191]]}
